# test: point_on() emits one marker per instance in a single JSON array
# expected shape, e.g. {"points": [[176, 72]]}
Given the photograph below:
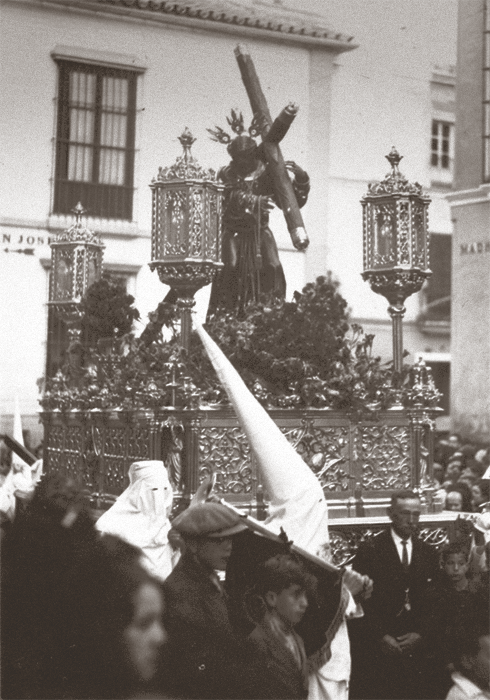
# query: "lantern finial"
{"points": [[186, 166], [79, 211], [394, 158], [186, 139]]}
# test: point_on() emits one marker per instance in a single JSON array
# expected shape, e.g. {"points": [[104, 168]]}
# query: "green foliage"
{"points": [[108, 310], [301, 353], [290, 354]]}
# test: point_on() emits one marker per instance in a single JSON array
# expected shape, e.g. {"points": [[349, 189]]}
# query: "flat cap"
{"points": [[208, 520]]}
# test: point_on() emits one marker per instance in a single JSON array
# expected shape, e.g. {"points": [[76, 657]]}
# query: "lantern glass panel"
{"points": [[176, 223], [64, 277], [385, 234], [92, 269], [418, 236], [213, 228], [196, 223]]}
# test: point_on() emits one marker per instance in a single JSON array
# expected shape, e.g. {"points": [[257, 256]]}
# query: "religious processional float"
{"points": [[364, 428]]}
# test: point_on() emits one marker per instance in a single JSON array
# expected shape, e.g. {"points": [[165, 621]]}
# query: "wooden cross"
{"points": [[271, 133]]}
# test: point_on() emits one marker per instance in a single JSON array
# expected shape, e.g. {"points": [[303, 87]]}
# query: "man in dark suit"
{"points": [[388, 659]]}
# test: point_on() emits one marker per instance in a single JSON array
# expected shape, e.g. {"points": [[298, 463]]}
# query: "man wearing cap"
{"points": [[206, 659]]}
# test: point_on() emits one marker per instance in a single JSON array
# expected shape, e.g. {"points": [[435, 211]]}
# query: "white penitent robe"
{"points": [[140, 516], [297, 506]]}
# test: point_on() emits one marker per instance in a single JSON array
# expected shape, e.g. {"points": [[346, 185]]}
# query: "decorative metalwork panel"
{"points": [[344, 543], [339, 451], [213, 224], [225, 450], [114, 458], [434, 536], [158, 203], [326, 451], [196, 223], [115, 474], [79, 273], [384, 452], [138, 442], [403, 252], [55, 448], [73, 450]]}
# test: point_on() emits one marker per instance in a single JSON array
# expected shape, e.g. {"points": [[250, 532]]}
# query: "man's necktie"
{"points": [[405, 555]]}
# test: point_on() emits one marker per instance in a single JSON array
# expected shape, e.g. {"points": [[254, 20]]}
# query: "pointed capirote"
{"points": [[297, 502], [18, 435]]}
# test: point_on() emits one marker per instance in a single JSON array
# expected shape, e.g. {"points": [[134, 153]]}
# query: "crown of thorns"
{"points": [[237, 125]]}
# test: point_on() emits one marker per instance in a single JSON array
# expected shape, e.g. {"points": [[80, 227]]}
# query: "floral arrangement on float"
{"points": [[292, 355]]}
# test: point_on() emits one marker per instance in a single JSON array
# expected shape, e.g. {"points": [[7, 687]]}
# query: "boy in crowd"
{"points": [[447, 603], [471, 680], [282, 591]]}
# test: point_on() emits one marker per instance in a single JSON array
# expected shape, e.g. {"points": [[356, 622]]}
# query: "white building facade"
{"points": [[95, 94]]}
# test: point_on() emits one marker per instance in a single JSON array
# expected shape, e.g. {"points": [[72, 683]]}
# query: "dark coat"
{"points": [[374, 673], [204, 656], [288, 681], [379, 559]]}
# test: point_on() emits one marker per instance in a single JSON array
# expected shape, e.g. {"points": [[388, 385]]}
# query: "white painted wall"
{"points": [[379, 96]]}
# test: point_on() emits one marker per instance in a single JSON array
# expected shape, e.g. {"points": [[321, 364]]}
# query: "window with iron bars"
{"points": [[95, 140], [442, 145]]}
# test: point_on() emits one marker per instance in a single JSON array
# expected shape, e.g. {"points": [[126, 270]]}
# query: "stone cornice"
{"points": [[228, 18], [477, 195]]}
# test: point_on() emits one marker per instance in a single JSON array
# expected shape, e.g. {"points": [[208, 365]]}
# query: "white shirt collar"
{"points": [[398, 540], [399, 547], [468, 687]]}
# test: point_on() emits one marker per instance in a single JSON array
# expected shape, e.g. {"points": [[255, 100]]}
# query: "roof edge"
{"points": [[337, 44]]}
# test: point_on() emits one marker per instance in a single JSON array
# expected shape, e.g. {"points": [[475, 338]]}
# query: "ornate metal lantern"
{"points": [[186, 228], [396, 243], [76, 262]]}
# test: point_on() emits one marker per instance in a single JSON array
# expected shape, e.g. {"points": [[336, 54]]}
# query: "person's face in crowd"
{"points": [[405, 516], [453, 471], [438, 472], [453, 440], [477, 497], [213, 552], [290, 604], [477, 668], [468, 475], [454, 501], [145, 634], [456, 567]]}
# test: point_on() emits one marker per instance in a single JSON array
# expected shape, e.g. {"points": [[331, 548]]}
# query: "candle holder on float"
{"points": [[396, 248], [76, 263], [186, 229]]}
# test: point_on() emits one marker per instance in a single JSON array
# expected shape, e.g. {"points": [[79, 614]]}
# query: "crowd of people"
{"points": [[427, 609], [461, 471], [96, 612], [92, 614]]}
